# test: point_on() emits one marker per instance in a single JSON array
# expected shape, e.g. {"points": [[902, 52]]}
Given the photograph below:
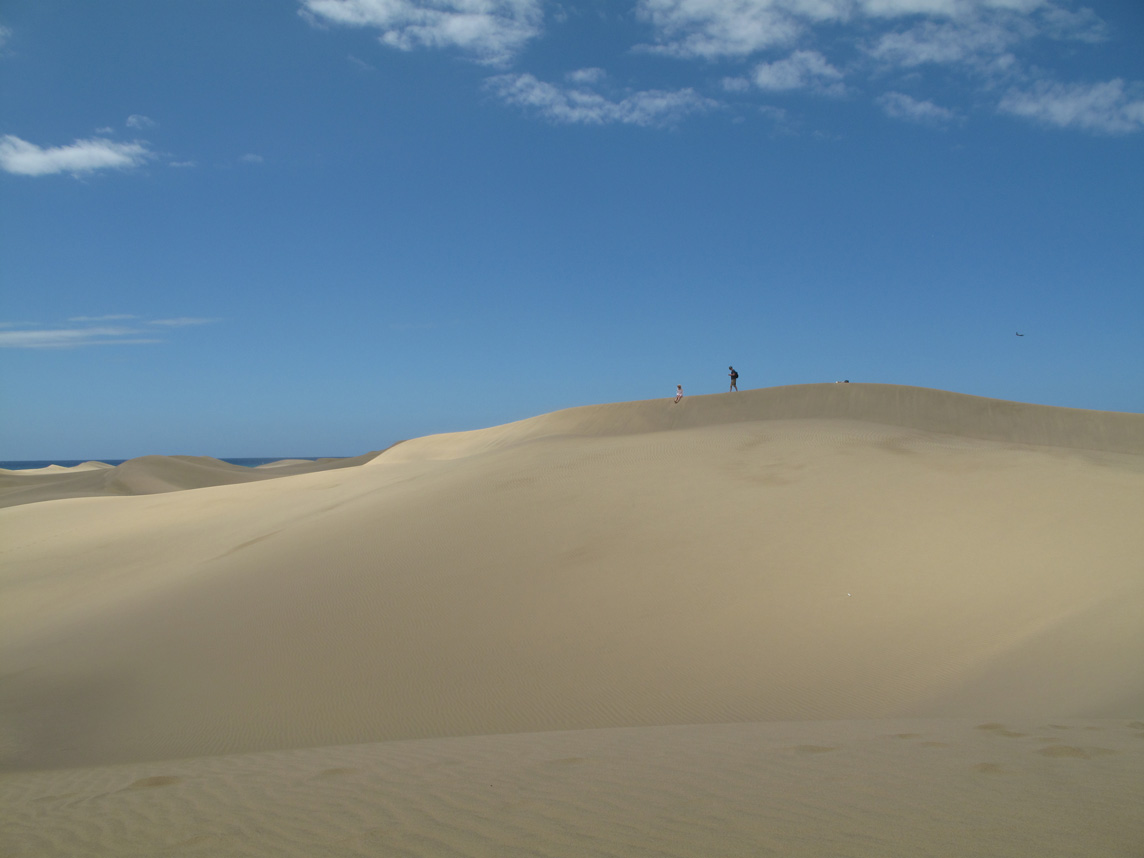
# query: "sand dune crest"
{"points": [[884, 404]]}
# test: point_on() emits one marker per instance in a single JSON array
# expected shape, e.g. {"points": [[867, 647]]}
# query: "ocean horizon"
{"points": [[246, 462]]}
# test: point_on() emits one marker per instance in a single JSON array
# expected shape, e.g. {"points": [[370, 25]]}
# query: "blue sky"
{"points": [[318, 227]]}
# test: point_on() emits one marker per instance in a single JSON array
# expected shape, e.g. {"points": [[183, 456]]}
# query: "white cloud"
{"points": [[1108, 108], [829, 47], [901, 106], [251, 158], [940, 29], [586, 76], [80, 331], [721, 28], [5, 37], [582, 106], [944, 8], [739, 28], [136, 120], [72, 338], [801, 70], [1082, 25], [981, 44], [83, 156], [979, 34], [491, 30]]}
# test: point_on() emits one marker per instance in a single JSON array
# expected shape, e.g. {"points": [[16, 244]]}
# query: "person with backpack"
{"points": [[734, 379]]}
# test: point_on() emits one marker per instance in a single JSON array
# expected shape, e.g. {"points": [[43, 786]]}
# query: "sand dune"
{"points": [[147, 475], [886, 404], [853, 557], [55, 469]]}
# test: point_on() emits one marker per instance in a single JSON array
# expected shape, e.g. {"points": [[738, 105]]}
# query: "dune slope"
{"points": [[853, 620], [625, 565]]}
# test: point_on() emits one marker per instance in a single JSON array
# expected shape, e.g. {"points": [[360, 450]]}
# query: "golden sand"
{"points": [[823, 620]]}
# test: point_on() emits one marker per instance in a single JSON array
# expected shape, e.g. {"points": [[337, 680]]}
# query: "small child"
{"points": [[678, 392]]}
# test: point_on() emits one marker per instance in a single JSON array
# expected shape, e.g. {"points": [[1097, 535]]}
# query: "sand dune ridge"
{"points": [[891, 405]]}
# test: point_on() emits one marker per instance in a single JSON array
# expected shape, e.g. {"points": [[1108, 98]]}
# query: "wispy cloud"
{"points": [[83, 331], [801, 70], [1083, 25], [360, 64], [724, 28], [738, 28], [943, 8], [136, 120], [981, 55], [115, 317], [48, 338], [577, 105], [1109, 108], [586, 77], [83, 156], [987, 39], [979, 45], [492, 31], [901, 106]]}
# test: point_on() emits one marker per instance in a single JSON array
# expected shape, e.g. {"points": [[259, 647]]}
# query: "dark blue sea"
{"points": [[71, 463]]}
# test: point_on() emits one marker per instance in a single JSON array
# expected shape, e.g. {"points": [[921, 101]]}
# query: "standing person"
{"points": [[678, 392], [734, 379]]}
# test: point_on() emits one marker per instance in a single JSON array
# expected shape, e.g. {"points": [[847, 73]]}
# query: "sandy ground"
{"points": [[857, 620]]}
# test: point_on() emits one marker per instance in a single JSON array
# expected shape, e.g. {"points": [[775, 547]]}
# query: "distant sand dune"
{"points": [[835, 555], [147, 475], [56, 469]]}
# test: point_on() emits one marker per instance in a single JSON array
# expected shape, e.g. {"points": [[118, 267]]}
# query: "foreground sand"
{"points": [[863, 788], [846, 620]]}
